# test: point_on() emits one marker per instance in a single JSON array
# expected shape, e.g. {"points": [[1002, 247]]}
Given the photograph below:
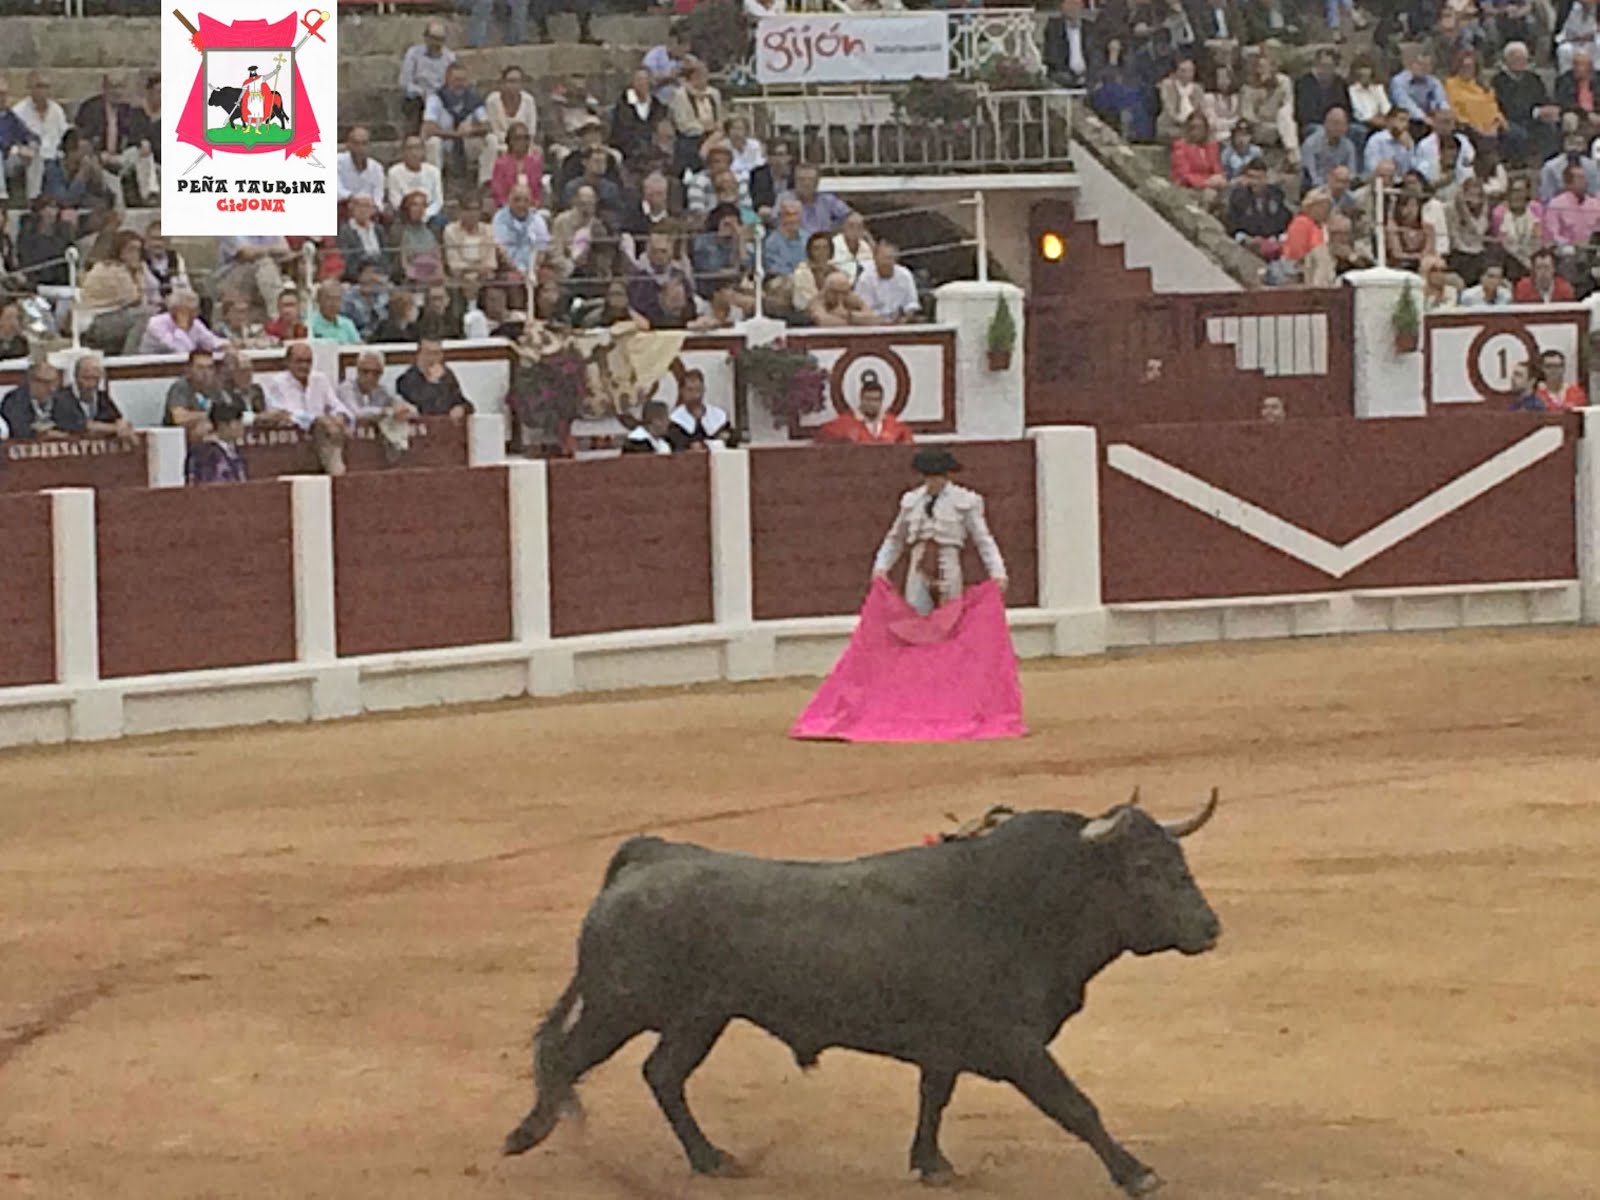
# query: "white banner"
{"points": [[250, 143], [852, 49]]}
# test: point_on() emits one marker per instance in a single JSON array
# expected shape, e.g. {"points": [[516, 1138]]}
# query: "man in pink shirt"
{"points": [[307, 400], [1571, 218]]}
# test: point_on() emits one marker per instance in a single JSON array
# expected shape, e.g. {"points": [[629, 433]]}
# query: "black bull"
{"points": [[965, 956], [227, 99]]}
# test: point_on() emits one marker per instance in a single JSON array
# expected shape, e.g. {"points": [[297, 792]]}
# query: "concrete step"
{"points": [[132, 45]]}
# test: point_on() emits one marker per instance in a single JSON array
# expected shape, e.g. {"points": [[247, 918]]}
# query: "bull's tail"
{"points": [[551, 1077]]}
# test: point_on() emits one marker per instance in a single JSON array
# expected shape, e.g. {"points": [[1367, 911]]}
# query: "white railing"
{"points": [[1280, 344], [865, 133]]}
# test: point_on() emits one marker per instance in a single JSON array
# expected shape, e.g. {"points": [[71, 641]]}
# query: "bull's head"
{"points": [[1161, 907]]}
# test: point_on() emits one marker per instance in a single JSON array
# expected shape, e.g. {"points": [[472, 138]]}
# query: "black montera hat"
{"points": [[934, 460], [250, 70]]}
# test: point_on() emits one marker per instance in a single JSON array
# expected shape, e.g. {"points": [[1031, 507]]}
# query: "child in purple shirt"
{"points": [[216, 458]]}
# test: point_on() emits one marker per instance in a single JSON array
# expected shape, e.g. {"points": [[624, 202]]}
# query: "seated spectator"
{"points": [[696, 110], [873, 426], [1197, 160], [76, 180], [635, 116], [115, 288], [215, 457], [1417, 91], [852, 249], [1437, 290], [421, 258], [164, 268], [717, 154], [289, 323], [328, 322], [43, 238], [508, 105], [1181, 97], [1328, 146], [1454, 33], [253, 266], [1067, 46], [692, 422], [1576, 86], [1432, 157], [651, 434], [645, 214], [1317, 91], [422, 72], [85, 405], [1525, 386], [29, 409], [1119, 97], [597, 162], [1392, 144], [613, 311], [1369, 102], [470, 250], [1491, 290], [1269, 106], [431, 387], [837, 304], [520, 231], [47, 122], [1339, 254], [413, 174], [1491, 174], [307, 400], [13, 342], [1341, 198], [819, 211], [665, 62], [1559, 395], [674, 306], [360, 238], [520, 165], [1517, 227], [748, 155], [193, 393], [808, 276], [1185, 38], [1553, 173], [727, 308], [887, 290], [1579, 33], [654, 271], [1572, 218], [591, 136], [722, 255], [784, 249], [19, 147], [180, 329], [1224, 104], [373, 405], [1471, 101], [1532, 121], [400, 325], [1308, 228], [1240, 152], [777, 300], [359, 175], [237, 378], [574, 233], [1409, 239], [573, 109], [773, 178], [439, 320], [1257, 215], [1468, 227]]}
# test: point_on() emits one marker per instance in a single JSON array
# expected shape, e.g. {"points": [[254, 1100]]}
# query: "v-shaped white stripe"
{"points": [[1325, 556]]}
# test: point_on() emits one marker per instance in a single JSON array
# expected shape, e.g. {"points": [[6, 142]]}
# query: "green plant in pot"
{"points": [[1002, 336], [1407, 322]]}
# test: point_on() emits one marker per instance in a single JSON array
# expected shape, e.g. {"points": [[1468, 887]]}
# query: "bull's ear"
{"points": [[1103, 829]]}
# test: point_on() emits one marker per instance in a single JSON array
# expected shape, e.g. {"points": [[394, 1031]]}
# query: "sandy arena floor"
{"points": [[305, 962]]}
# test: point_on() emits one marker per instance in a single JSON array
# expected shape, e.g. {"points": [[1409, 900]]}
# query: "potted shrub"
{"points": [[1002, 336], [1407, 322], [791, 382]]}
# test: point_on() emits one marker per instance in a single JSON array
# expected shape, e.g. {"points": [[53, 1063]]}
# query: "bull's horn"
{"points": [[1102, 828], [1188, 825], [1133, 800]]}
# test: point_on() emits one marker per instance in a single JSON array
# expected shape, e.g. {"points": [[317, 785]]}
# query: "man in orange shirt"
{"points": [[873, 427]]}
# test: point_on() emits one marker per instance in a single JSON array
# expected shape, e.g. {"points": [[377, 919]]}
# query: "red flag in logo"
{"points": [[249, 35]]}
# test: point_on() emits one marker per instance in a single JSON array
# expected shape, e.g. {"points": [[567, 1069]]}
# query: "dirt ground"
{"points": [[306, 961]]}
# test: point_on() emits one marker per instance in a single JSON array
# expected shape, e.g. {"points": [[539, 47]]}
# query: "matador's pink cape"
{"points": [[947, 677]]}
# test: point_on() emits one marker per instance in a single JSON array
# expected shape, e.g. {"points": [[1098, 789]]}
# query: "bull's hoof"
{"points": [[1143, 1184], [944, 1175], [535, 1127], [721, 1165]]}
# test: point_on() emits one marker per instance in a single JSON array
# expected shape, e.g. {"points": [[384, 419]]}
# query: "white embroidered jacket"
{"points": [[956, 515]]}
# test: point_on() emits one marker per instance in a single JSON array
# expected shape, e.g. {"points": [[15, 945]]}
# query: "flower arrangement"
{"points": [[1007, 73], [790, 381], [936, 102], [548, 392]]}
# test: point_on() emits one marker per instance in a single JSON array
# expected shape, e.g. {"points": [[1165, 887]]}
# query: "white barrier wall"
{"points": [[1070, 619]]}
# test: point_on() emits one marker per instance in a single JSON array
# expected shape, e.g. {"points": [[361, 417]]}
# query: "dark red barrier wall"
{"points": [[630, 543], [819, 514], [195, 577], [1336, 479], [422, 559], [435, 442], [76, 462], [27, 592]]}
